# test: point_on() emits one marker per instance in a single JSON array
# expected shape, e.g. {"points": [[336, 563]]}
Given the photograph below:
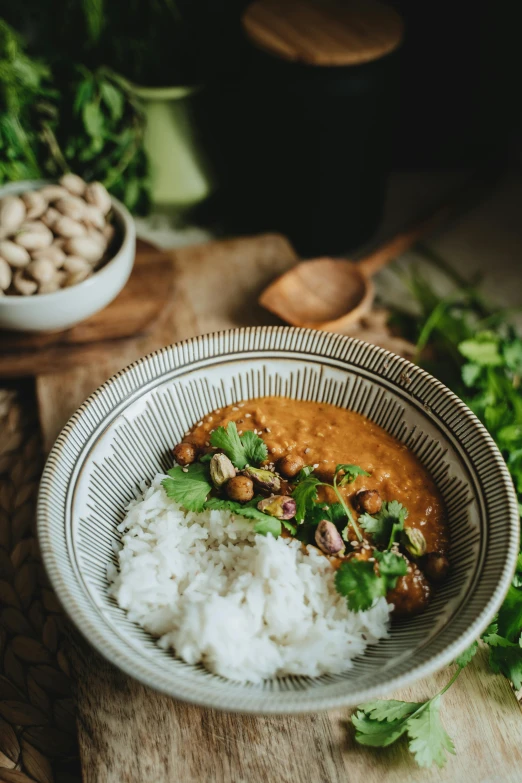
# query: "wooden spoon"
{"points": [[331, 294]]}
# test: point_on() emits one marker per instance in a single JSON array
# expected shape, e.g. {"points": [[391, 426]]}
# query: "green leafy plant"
{"points": [[25, 93], [476, 350]]}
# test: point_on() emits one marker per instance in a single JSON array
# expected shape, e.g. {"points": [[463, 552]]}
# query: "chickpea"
{"points": [[368, 501], [290, 465], [184, 453], [240, 489], [436, 566]]}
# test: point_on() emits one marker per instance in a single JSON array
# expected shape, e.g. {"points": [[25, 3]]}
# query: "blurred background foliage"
{"points": [[67, 71]]}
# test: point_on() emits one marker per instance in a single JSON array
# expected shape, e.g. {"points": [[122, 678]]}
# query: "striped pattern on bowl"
{"points": [[124, 432]]}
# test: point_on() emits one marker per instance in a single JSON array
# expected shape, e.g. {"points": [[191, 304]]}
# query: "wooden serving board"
{"points": [[134, 311], [130, 734]]}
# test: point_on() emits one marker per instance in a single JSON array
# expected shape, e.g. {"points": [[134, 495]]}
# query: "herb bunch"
{"points": [[477, 352]]}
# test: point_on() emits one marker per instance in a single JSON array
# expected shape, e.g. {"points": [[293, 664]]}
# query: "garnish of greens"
{"points": [[477, 352], [381, 723]]}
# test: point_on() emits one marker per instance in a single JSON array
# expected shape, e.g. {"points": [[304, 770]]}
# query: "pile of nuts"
{"points": [[54, 237]]}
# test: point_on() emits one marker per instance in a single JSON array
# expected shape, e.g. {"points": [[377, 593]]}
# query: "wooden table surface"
{"points": [[129, 733]]}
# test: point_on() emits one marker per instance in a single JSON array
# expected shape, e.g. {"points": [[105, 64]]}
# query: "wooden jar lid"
{"points": [[324, 32]]}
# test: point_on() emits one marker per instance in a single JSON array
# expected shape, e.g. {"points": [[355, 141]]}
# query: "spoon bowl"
{"points": [[325, 294]]}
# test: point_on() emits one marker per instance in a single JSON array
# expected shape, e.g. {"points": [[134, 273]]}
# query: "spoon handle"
{"points": [[402, 242]]}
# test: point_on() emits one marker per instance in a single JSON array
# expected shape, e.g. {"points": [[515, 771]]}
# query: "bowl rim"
{"points": [[128, 238], [307, 701]]}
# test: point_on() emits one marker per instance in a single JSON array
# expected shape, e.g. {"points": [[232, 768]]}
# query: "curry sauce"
{"points": [[324, 436]]}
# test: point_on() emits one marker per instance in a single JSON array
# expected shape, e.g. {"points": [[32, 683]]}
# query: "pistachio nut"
{"points": [[23, 285], [86, 247], [68, 228], [15, 255], [94, 217], [73, 183], [52, 193], [108, 232], [52, 253], [263, 479], [12, 215], [328, 538], [35, 204], [33, 236], [43, 271], [414, 541], [221, 470], [279, 506], [50, 216], [77, 277], [72, 207], [6, 275], [96, 193], [74, 264]]}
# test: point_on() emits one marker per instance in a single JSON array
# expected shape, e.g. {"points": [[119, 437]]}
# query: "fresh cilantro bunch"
{"points": [[381, 723], [191, 486], [477, 351]]}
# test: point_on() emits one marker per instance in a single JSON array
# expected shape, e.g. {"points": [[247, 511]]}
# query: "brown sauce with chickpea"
{"points": [[301, 433]]}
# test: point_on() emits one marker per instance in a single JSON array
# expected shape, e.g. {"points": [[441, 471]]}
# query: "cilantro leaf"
{"points": [[264, 523], [188, 486], [391, 567], [229, 442], [350, 473], [305, 495], [255, 448], [243, 450], [377, 733], [390, 519], [510, 614], [389, 709], [358, 582], [303, 473], [428, 739], [465, 657], [481, 350], [506, 659]]}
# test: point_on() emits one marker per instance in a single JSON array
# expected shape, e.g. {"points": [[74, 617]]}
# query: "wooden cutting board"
{"points": [[134, 311], [130, 734]]}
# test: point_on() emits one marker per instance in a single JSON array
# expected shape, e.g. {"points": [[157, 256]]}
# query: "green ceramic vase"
{"points": [[180, 175]]}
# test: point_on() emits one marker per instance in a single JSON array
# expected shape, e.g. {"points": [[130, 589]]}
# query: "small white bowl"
{"points": [[68, 306]]}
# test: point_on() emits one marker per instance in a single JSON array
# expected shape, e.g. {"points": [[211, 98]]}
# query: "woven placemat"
{"points": [[37, 717]]}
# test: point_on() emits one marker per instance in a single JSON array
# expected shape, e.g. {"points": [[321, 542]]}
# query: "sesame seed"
{"points": [[218, 410], [267, 429], [207, 443], [241, 404], [248, 415], [185, 470], [306, 450], [200, 423], [210, 418], [315, 466], [240, 432], [320, 434], [235, 408], [354, 543]]}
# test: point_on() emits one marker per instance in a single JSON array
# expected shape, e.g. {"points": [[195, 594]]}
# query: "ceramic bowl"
{"points": [[124, 432], [68, 306]]}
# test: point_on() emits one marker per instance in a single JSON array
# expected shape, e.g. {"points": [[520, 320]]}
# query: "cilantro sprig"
{"points": [[242, 450], [381, 723], [359, 582], [385, 525], [305, 493]]}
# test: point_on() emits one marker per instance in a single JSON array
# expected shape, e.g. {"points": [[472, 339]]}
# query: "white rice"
{"points": [[248, 607]]}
